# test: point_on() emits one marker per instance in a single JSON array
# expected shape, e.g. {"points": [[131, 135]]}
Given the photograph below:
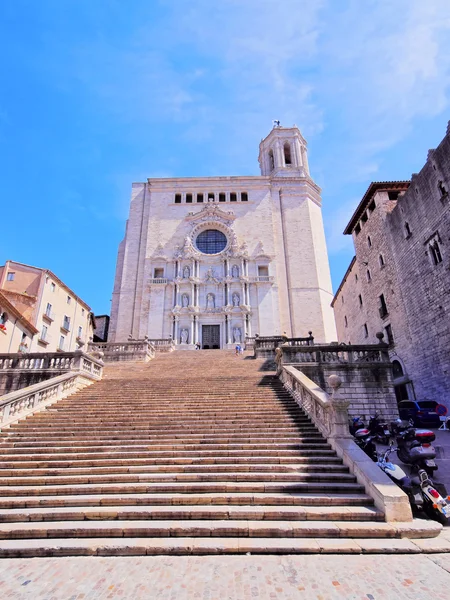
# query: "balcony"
{"points": [[44, 340], [261, 279], [48, 316], [158, 280]]}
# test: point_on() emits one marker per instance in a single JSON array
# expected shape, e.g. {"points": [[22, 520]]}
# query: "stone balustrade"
{"points": [[265, 346], [21, 403], [330, 415], [18, 371], [132, 350]]}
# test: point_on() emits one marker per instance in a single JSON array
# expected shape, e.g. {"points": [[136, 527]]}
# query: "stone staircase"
{"points": [[194, 452]]}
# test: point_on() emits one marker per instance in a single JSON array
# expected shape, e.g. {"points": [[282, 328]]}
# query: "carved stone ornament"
{"points": [[159, 252], [211, 277], [212, 211]]}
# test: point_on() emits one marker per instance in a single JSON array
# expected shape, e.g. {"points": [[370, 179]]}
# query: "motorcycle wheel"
{"points": [[435, 514]]}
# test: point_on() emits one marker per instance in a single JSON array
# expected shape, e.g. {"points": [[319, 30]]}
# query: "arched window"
{"points": [[397, 369], [287, 154], [271, 160]]}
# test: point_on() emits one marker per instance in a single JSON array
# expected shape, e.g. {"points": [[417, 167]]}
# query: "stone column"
{"points": [[197, 326], [249, 326], [339, 415], [228, 330], [191, 336]]}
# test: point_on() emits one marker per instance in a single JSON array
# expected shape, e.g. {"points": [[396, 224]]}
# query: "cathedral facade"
{"points": [[214, 260]]}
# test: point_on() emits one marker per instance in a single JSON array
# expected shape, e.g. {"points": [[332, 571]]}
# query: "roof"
{"points": [[347, 273], [375, 186], [10, 308], [53, 276]]}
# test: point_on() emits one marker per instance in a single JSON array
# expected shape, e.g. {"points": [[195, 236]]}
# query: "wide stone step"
{"points": [[216, 528], [86, 446], [309, 462], [209, 512], [161, 477], [199, 487], [186, 499], [191, 437], [176, 468]]}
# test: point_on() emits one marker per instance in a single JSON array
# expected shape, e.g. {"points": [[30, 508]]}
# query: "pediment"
{"points": [[211, 212]]}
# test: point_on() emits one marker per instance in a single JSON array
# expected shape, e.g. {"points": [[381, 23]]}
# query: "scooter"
{"points": [[354, 424], [414, 446], [420, 489]]}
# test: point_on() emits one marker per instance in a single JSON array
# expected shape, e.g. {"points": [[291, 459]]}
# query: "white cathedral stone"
{"points": [[271, 276]]}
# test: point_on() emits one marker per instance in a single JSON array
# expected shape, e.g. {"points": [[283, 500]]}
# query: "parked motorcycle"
{"points": [[379, 429], [355, 423], [365, 441], [414, 446], [420, 489]]}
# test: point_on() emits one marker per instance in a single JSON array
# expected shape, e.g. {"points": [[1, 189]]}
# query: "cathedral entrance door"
{"points": [[210, 337]]}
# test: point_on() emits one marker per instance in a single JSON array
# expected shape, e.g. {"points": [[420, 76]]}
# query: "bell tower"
{"points": [[283, 153]]}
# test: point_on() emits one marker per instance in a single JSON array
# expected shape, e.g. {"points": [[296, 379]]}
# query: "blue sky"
{"points": [[96, 94]]}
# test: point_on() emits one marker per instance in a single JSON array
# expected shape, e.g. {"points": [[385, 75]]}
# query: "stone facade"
{"points": [[399, 280], [63, 321], [215, 260]]}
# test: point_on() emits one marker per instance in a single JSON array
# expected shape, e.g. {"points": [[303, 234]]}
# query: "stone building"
{"points": [[63, 321], [215, 259], [13, 327], [399, 280]]}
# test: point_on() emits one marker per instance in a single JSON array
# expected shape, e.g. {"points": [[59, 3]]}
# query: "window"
{"points": [[381, 260], [80, 332], [222, 197], [211, 241], [393, 195], [435, 252], [342, 299], [369, 241], [366, 330], [287, 154], [44, 332], [357, 229], [62, 339], [271, 160], [66, 323], [82, 312], [356, 277], [360, 300], [199, 197], [158, 273], [364, 217], [407, 229], [345, 321], [48, 310], [69, 299], [233, 197], [188, 198], [372, 206], [383, 308], [442, 189], [263, 271], [52, 287], [211, 197], [389, 335], [177, 198], [368, 275], [244, 197], [3, 318], [10, 276]]}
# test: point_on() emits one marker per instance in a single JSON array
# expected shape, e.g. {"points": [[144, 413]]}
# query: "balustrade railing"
{"points": [[20, 403], [137, 350], [266, 345], [51, 361], [334, 354]]}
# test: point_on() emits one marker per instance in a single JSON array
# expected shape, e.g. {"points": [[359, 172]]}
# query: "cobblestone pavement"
{"points": [[228, 578]]}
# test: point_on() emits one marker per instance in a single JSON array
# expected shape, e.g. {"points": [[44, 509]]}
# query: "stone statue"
{"points": [[186, 272], [210, 301], [235, 271], [184, 336], [236, 299], [237, 335], [185, 300]]}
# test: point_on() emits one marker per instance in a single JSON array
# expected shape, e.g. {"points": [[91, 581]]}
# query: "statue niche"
{"points": [[237, 335], [184, 336], [186, 273], [210, 301], [235, 271], [184, 300], [236, 299]]}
